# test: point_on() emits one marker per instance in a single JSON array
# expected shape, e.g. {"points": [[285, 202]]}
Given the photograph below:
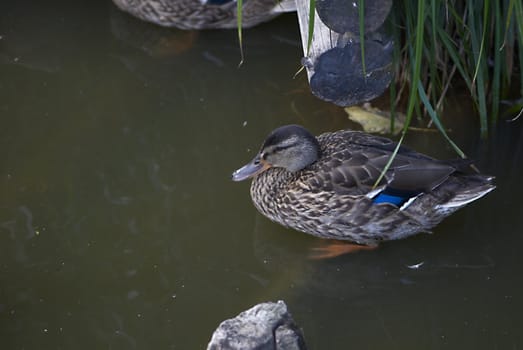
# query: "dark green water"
{"points": [[120, 227]]}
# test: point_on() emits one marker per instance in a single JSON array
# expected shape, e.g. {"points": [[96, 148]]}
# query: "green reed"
{"points": [[472, 43], [444, 43]]}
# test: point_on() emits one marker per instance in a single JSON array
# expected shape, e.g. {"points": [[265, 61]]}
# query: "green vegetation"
{"points": [[444, 43], [452, 42]]}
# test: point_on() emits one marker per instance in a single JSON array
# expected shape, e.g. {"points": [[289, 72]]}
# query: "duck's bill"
{"points": [[249, 170]]}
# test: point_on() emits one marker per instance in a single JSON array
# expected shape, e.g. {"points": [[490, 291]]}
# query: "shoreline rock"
{"points": [[266, 326]]}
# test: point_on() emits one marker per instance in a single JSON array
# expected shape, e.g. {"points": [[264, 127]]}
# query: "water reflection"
{"points": [[120, 227]]}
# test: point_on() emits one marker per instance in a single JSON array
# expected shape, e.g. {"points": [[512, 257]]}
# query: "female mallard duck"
{"points": [[324, 186], [204, 14]]}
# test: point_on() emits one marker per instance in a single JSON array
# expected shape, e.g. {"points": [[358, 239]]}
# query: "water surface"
{"points": [[120, 227]]}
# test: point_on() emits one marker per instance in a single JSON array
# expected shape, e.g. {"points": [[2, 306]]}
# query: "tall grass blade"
{"points": [[456, 57], [518, 7], [478, 79], [518, 10], [435, 119], [361, 14], [416, 59], [508, 42], [520, 45], [396, 57], [312, 13], [483, 38], [239, 13], [415, 79], [496, 74], [508, 21], [433, 53]]}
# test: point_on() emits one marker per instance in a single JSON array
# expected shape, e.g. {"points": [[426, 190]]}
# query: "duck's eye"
{"points": [[264, 156]]}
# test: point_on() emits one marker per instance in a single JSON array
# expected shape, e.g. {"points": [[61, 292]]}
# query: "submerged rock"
{"points": [[266, 326]]}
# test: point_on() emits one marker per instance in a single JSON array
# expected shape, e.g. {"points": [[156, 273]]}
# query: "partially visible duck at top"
{"points": [[324, 185], [205, 14]]}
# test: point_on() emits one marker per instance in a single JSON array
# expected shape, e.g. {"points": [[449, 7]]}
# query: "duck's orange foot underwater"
{"points": [[333, 248]]}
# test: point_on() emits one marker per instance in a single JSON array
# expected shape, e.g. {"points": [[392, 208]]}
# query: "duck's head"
{"points": [[291, 147]]}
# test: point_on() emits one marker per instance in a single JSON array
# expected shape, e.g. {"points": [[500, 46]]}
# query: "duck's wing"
{"points": [[352, 162]]}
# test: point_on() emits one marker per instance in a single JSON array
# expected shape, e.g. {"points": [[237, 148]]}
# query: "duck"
{"points": [[204, 14], [330, 186]]}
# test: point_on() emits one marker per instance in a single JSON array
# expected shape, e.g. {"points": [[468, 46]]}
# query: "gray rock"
{"points": [[266, 326]]}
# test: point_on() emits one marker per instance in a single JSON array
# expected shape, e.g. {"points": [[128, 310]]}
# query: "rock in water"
{"points": [[266, 326]]}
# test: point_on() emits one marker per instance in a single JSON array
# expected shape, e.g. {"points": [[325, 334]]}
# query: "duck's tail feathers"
{"points": [[463, 198]]}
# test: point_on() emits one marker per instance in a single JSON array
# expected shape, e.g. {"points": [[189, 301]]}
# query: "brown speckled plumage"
{"points": [[334, 198], [196, 14]]}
